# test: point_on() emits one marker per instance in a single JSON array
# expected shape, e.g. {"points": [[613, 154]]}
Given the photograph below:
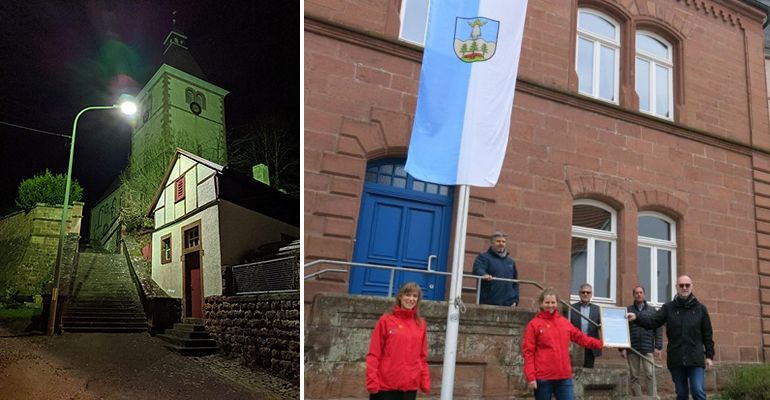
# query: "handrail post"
{"points": [[390, 282]]}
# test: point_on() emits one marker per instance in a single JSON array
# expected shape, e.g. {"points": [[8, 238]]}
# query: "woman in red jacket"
{"points": [[397, 363], [546, 350]]}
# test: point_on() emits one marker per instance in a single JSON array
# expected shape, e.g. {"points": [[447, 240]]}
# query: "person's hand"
{"points": [[709, 364], [513, 305], [656, 353], [487, 277], [532, 385], [631, 316], [623, 353]]}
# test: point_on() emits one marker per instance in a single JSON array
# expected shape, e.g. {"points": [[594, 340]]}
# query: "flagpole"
{"points": [[455, 292]]}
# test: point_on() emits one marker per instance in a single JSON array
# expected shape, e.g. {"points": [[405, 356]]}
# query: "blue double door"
{"points": [[401, 227]]}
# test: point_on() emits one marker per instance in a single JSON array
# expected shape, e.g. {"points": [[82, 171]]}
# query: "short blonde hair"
{"points": [[547, 292]]}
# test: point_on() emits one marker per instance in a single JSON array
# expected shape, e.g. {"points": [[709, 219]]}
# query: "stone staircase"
{"points": [[189, 339], [103, 296]]}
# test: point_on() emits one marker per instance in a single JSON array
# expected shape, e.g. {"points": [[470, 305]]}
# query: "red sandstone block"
{"points": [[480, 227], [375, 59], [762, 189], [328, 65], [763, 214], [344, 228], [764, 267], [396, 126], [342, 165], [408, 105], [404, 84], [763, 240], [766, 313], [336, 105], [364, 93], [367, 133], [338, 206], [764, 282], [316, 182], [313, 223], [346, 186], [321, 121], [328, 248], [749, 354], [312, 160], [319, 141], [761, 162], [350, 146], [372, 75]]}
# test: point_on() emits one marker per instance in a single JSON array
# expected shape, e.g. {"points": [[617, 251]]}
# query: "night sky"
{"points": [[58, 57]]}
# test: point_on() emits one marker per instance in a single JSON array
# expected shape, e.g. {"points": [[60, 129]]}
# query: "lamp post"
{"points": [[128, 108]]}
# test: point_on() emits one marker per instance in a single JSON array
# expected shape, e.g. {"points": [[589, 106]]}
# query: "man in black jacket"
{"points": [[645, 341], [496, 263], [591, 311], [690, 339]]}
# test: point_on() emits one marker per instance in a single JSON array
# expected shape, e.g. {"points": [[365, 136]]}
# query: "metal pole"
{"points": [[62, 228], [453, 314]]}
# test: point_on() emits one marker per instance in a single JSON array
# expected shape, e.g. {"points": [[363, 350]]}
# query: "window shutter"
{"points": [[179, 189]]}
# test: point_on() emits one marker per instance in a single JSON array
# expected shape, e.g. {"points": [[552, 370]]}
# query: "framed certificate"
{"points": [[614, 329]]}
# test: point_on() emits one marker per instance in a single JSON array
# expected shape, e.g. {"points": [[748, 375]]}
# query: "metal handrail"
{"points": [[478, 290]]}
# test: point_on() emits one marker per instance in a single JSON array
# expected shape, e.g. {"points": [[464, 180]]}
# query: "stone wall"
{"points": [[29, 243], [262, 329]]}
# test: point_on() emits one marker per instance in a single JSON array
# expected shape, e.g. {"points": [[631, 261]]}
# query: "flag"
{"points": [[467, 82]]}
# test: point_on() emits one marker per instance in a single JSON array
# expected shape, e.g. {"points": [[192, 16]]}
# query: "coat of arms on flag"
{"points": [[475, 38]]}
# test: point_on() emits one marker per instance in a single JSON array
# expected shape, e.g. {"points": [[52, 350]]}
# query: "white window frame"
{"points": [[592, 235], [598, 42], [401, 16], [657, 61], [654, 245]]}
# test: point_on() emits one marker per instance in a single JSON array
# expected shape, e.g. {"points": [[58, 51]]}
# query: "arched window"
{"points": [[654, 75], [594, 248], [189, 96], [388, 173], [656, 256], [597, 56], [201, 100]]}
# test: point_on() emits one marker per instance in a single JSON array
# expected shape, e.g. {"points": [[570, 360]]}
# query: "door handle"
{"points": [[430, 259]]}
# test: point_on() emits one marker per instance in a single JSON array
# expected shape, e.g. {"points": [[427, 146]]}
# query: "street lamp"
{"points": [[128, 108]]}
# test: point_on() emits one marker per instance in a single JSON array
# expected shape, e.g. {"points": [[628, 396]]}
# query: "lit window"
{"points": [[654, 75], [598, 52], [656, 256], [414, 21], [165, 249], [191, 238], [594, 243], [179, 189]]}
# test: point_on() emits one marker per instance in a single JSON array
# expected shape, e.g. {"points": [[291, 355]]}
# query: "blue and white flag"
{"points": [[467, 82]]}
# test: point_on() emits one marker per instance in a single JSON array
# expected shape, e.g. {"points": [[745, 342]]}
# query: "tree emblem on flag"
{"points": [[475, 38]]}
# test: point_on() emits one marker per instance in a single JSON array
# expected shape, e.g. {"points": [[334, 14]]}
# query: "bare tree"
{"points": [[271, 142]]}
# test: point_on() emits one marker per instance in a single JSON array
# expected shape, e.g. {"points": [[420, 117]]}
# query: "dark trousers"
{"points": [[561, 388], [589, 359], [393, 395]]}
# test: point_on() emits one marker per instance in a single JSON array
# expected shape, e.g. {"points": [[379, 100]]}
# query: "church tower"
{"points": [[178, 107]]}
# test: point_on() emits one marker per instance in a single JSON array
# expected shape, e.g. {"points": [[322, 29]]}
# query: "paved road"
{"points": [[88, 366]]}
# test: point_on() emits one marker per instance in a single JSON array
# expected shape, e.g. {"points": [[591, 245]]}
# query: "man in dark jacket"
{"points": [[496, 263], [592, 312], [690, 339], [645, 341]]}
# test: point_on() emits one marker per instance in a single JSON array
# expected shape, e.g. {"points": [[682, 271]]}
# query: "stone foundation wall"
{"points": [[29, 243], [262, 329]]}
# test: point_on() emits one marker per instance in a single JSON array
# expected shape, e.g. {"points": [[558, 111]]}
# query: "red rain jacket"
{"points": [[398, 354], [546, 346]]}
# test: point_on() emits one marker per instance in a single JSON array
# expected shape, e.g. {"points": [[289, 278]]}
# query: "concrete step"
{"points": [[184, 342], [104, 329], [192, 351], [188, 334], [182, 327], [133, 318], [94, 323]]}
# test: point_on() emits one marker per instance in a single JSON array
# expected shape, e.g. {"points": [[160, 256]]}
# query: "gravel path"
{"points": [[124, 366]]}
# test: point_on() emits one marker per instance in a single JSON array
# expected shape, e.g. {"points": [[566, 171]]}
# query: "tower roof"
{"points": [[178, 56]]}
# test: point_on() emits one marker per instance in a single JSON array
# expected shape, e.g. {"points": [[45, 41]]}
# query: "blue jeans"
{"points": [[697, 385], [562, 388]]}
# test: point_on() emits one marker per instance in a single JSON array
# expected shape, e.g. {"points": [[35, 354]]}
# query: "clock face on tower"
{"points": [[195, 108]]}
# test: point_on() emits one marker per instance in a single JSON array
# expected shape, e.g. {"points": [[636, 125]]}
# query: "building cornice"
{"points": [[374, 41]]}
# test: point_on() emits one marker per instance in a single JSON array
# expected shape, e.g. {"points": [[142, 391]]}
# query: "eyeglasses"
{"points": [[684, 285], [585, 292]]}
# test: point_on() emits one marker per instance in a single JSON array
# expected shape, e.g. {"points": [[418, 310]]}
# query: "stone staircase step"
{"points": [[188, 334], [192, 351], [104, 297], [103, 329], [184, 342]]}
